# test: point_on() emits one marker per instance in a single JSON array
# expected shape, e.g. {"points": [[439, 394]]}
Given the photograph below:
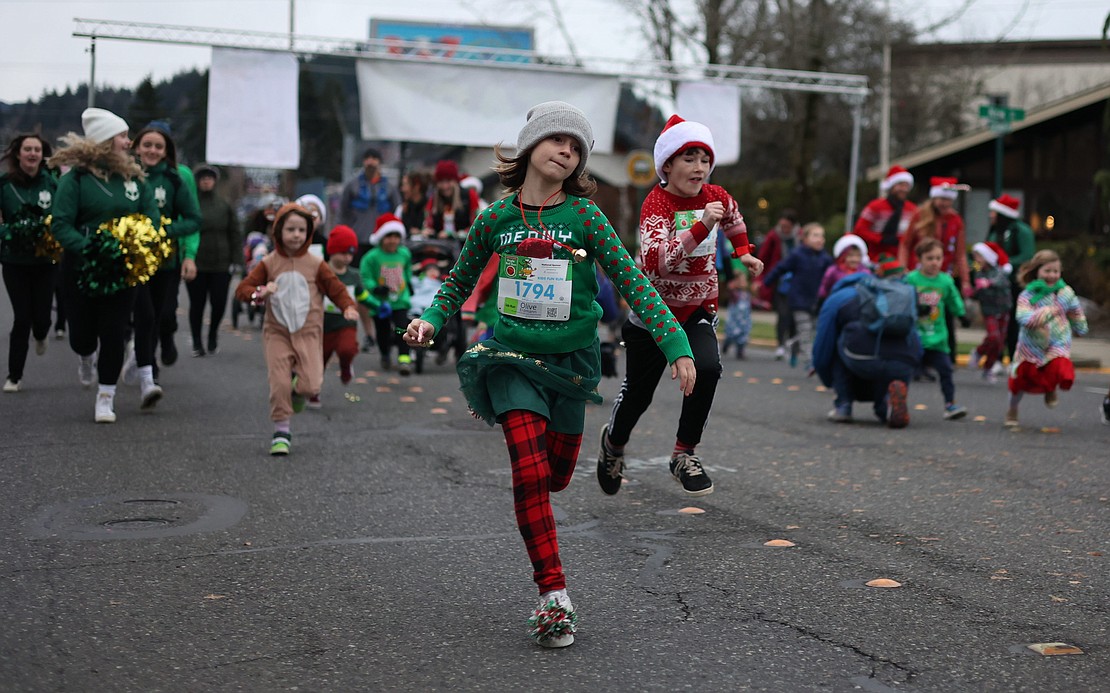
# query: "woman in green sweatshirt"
{"points": [[26, 196], [103, 183], [176, 202]]}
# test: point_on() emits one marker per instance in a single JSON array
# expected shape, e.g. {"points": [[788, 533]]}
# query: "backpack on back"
{"points": [[888, 308]]}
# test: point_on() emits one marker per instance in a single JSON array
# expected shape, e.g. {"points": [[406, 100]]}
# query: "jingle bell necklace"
{"points": [[577, 254]]}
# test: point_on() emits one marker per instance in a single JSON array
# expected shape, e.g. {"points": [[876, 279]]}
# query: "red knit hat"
{"points": [[385, 225], [679, 135], [1006, 205], [894, 176], [446, 170], [342, 239]]}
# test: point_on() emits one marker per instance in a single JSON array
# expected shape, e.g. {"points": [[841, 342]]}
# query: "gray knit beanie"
{"points": [[552, 118]]}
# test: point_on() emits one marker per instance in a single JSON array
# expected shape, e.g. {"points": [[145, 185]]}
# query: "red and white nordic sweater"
{"points": [[680, 256]]}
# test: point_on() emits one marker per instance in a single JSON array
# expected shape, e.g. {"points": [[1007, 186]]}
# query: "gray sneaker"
{"points": [[687, 470], [610, 468]]}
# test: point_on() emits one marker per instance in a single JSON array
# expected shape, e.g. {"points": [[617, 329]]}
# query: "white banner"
{"points": [[252, 109], [472, 105], [717, 106]]}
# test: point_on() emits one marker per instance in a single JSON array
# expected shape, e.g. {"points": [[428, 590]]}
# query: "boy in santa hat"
{"points": [[885, 219], [679, 223], [991, 279], [387, 273]]}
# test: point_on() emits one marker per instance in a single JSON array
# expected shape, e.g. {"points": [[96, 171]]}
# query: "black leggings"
{"points": [[151, 303], [207, 287], [98, 322], [31, 291], [386, 338], [645, 364]]}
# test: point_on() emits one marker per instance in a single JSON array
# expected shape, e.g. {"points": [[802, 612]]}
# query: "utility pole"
{"points": [[292, 12], [999, 115], [92, 72]]}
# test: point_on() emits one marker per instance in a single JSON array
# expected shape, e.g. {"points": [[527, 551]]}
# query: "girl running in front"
{"points": [[543, 363], [1049, 312]]}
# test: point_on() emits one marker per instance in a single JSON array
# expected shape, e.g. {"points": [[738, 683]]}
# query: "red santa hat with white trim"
{"points": [[679, 135], [994, 255], [948, 188], [385, 225], [849, 240], [1006, 205], [894, 176]]}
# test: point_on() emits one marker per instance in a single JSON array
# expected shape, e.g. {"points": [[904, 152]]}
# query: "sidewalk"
{"points": [[1086, 352]]}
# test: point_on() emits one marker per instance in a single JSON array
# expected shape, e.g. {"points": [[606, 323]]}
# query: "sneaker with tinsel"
{"points": [[897, 410], [687, 470], [297, 399], [314, 402], [953, 411], [554, 622], [105, 411], [11, 385], [840, 414], [404, 364], [86, 370], [610, 467], [279, 446]]}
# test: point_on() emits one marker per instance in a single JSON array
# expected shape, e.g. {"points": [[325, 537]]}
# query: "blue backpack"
{"points": [[887, 307]]}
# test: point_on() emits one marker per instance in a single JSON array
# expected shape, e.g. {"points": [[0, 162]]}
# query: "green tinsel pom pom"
{"points": [[124, 252], [552, 621]]}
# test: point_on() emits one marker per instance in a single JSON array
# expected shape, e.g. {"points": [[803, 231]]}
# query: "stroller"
{"points": [[255, 248], [452, 337]]}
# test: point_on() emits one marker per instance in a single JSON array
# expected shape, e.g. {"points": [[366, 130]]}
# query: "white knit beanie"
{"points": [[553, 118], [101, 125]]}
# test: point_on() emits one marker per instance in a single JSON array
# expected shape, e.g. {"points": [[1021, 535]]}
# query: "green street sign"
{"points": [[1000, 117]]}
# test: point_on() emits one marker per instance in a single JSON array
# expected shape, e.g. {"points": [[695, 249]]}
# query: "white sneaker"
{"points": [[554, 621], [973, 359], [40, 346], [151, 393], [104, 411], [998, 369], [780, 353], [86, 370], [129, 374], [11, 385]]}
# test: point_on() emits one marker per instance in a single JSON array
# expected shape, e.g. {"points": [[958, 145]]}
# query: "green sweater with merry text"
{"points": [[578, 223]]}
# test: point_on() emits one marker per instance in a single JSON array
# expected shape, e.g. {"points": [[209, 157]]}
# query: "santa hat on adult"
{"points": [[894, 176], [849, 240], [994, 255], [385, 225], [949, 188], [679, 135], [342, 239], [1005, 205]]}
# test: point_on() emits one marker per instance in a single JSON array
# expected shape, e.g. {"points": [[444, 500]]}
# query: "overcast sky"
{"points": [[39, 52]]}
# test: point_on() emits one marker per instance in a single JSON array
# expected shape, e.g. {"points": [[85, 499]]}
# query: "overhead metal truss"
{"points": [[853, 87]]}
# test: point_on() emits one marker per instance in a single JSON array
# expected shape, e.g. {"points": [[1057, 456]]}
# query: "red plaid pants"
{"points": [[543, 462]]}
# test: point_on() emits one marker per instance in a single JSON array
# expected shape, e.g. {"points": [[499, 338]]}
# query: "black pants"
{"points": [[645, 364], [31, 291], [207, 287], [98, 322], [59, 301], [151, 302], [386, 338], [167, 322], [784, 322]]}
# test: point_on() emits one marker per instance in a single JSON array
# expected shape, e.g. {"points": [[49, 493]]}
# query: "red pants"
{"points": [[1057, 373], [995, 339], [543, 462], [345, 343]]}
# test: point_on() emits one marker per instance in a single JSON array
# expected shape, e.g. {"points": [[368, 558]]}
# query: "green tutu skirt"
{"points": [[495, 379]]}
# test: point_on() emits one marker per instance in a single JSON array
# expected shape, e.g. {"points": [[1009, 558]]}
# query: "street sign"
{"points": [[999, 118]]}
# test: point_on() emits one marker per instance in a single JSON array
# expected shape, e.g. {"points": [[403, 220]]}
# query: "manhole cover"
{"points": [[144, 517]]}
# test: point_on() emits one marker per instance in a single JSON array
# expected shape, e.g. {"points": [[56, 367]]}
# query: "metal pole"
{"points": [[291, 13], [92, 72], [884, 119], [998, 151], [853, 167]]}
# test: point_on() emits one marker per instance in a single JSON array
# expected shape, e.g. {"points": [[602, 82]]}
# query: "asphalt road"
{"points": [[169, 552]]}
